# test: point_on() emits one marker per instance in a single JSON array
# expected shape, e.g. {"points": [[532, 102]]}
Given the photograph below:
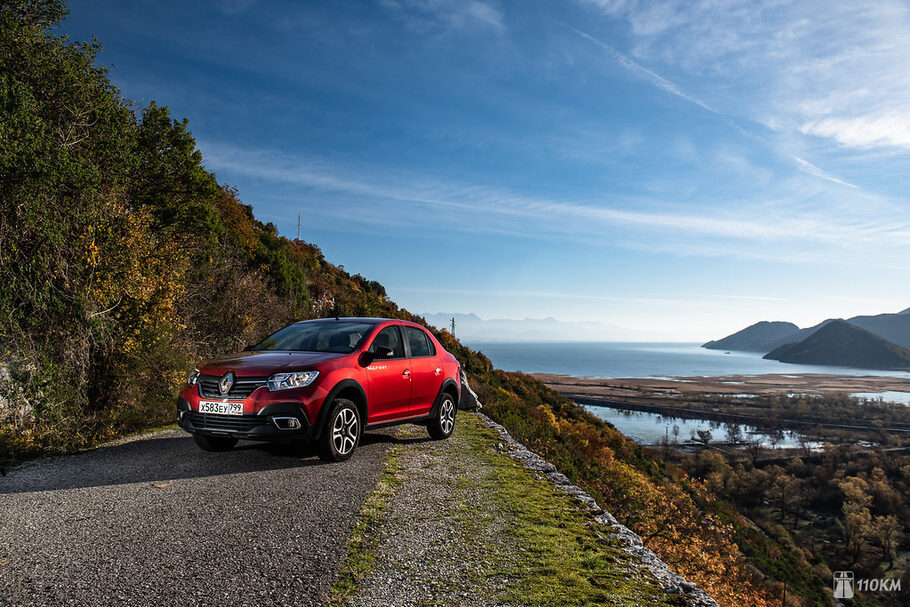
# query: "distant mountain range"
{"points": [[472, 328], [760, 337], [868, 342]]}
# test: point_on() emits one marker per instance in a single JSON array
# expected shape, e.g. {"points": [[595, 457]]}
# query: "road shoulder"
{"points": [[456, 522]]}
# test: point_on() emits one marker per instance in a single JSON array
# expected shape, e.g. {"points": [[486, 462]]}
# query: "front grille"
{"points": [[228, 423], [243, 387]]}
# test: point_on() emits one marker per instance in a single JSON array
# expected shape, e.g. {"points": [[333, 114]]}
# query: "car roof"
{"points": [[370, 320]]}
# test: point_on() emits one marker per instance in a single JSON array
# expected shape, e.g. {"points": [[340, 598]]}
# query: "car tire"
{"points": [[341, 435], [214, 443], [443, 423]]}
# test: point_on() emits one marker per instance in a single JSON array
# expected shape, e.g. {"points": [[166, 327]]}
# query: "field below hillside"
{"points": [[825, 407], [726, 385]]}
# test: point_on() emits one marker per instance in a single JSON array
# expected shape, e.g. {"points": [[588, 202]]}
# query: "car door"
{"points": [[426, 373], [389, 379]]}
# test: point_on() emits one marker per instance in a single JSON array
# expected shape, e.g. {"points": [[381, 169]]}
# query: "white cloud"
{"points": [[447, 14], [235, 7], [669, 87], [863, 131], [747, 228], [834, 70], [688, 300], [807, 167], [652, 76], [482, 12]]}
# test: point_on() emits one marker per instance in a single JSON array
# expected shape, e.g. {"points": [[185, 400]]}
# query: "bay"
{"points": [[657, 359], [644, 359]]}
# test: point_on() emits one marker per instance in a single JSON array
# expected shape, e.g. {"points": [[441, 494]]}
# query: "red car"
{"points": [[325, 381]]}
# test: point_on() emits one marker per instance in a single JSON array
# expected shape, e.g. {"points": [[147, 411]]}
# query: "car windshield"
{"points": [[336, 337]]}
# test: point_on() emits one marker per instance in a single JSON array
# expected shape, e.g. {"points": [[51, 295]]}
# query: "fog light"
{"points": [[286, 423]]}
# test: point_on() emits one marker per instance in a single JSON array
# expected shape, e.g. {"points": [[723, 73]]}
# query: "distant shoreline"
{"points": [[724, 385], [651, 361], [744, 399]]}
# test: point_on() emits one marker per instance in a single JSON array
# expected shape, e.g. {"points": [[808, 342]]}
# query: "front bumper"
{"points": [[273, 423]]}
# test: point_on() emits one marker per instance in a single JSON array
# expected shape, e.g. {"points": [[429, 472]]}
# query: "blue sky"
{"points": [[685, 168]]}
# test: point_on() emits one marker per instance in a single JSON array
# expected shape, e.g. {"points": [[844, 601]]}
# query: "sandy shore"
{"points": [[809, 383]]}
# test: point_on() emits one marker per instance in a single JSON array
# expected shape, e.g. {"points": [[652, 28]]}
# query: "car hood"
{"points": [[264, 363]]}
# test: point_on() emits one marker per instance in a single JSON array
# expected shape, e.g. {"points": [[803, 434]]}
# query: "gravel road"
{"points": [[156, 521], [441, 534]]}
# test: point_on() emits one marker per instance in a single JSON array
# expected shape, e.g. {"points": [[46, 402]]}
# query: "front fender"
{"points": [[341, 386]]}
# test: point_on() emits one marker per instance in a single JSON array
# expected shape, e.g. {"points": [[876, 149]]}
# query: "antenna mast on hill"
{"points": [[453, 326], [298, 226]]}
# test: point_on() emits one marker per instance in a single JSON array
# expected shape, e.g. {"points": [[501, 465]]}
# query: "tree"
{"points": [[888, 531], [857, 523], [775, 437], [754, 449], [781, 487], [703, 436], [805, 445], [794, 497], [665, 443]]}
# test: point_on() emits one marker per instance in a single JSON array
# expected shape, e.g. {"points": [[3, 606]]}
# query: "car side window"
{"points": [[389, 337], [418, 342]]}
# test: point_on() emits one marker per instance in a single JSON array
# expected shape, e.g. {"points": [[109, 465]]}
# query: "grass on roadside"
{"points": [[548, 550], [560, 556]]}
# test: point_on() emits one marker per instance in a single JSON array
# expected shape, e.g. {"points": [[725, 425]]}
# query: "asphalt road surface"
{"points": [[157, 521]]}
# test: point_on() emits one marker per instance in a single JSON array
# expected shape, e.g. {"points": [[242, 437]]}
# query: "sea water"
{"points": [[656, 360], [617, 359]]}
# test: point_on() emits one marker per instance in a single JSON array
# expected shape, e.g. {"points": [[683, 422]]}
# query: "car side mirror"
{"points": [[250, 348], [383, 352], [367, 358]]}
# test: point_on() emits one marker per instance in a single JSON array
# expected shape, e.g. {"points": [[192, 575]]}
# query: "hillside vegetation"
{"points": [[867, 342], [841, 343], [756, 338], [124, 262]]}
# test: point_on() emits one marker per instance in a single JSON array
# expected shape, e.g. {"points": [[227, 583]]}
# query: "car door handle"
{"points": [[406, 372]]}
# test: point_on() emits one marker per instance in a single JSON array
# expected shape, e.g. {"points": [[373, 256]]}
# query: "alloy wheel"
{"points": [[344, 431], [447, 415]]}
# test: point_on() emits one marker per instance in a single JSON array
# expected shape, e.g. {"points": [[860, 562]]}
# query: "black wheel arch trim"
{"points": [[448, 383], [330, 398]]}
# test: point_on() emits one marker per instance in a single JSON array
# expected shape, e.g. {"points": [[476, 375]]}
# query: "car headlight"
{"points": [[193, 377], [286, 381]]}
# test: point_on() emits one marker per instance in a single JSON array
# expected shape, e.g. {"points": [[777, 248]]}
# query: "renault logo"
{"points": [[226, 383]]}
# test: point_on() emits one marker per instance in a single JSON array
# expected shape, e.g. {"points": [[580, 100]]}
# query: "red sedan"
{"points": [[325, 381]]}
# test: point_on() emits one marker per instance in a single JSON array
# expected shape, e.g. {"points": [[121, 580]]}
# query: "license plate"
{"points": [[220, 408]]}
